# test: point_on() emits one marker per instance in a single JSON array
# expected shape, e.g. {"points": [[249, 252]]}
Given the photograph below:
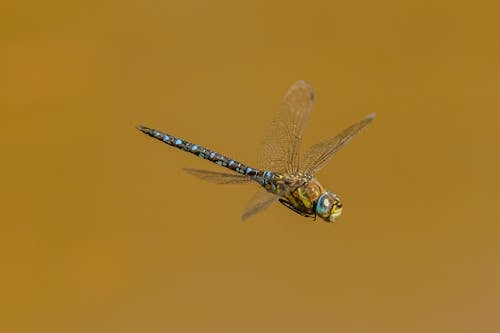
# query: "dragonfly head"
{"points": [[329, 206]]}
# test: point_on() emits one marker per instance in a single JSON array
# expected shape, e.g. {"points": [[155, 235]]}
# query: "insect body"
{"points": [[283, 173]]}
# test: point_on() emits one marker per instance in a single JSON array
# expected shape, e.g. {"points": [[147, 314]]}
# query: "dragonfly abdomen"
{"points": [[201, 152]]}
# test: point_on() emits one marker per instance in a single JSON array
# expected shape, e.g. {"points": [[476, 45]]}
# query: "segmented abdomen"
{"points": [[203, 152]]}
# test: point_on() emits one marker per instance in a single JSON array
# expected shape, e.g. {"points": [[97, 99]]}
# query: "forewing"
{"points": [[280, 148], [260, 201], [218, 177], [317, 156]]}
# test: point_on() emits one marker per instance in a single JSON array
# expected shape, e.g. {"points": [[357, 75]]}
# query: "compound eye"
{"points": [[324, 205]]}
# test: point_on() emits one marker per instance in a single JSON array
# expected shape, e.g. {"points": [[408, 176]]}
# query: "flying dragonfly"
{"points": [[283, 173]]}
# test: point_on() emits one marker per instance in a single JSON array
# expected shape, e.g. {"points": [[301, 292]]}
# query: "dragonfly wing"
{"points": [[317, 156], [281, 144], [218, 177], [260, 201]]}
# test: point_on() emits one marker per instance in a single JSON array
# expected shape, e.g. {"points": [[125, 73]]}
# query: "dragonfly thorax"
{"points": [[309, 193]]}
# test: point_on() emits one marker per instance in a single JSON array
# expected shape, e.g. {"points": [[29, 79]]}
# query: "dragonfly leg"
{"points": [[290, 206]]}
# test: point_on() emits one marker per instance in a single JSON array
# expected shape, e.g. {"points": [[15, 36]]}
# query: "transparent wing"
{"points": [[281, 144], [218, 177], [260, 201], [317, 156]]}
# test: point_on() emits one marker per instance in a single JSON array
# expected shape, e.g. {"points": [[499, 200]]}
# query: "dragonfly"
{"points": [[283, 173]]}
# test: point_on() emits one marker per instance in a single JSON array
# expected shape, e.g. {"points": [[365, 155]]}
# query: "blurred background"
{"points": [[101, 230]]}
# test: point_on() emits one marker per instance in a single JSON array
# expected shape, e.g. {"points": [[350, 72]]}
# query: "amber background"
{"points": [[102, 232]]}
